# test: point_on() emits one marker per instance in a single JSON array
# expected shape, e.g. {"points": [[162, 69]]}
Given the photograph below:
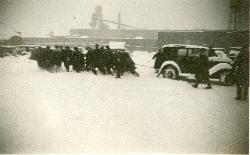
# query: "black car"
{"points": [[182, 59]]}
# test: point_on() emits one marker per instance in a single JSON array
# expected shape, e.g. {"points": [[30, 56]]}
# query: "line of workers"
{"points": [[104, 59]]}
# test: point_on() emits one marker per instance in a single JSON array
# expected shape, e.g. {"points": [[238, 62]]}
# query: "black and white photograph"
{"points": [[124, 76]]}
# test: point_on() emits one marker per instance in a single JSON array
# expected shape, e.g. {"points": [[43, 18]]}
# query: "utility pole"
{"points": [[119, 21]]}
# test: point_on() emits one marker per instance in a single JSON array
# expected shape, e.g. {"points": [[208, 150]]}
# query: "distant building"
{"points": [[223, 39], [116, 34]]}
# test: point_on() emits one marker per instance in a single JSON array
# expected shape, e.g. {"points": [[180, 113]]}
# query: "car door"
{"points": [[182, 59], [193, 58]]}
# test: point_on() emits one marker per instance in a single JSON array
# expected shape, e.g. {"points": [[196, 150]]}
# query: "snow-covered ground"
{"points": [[73, 113]]}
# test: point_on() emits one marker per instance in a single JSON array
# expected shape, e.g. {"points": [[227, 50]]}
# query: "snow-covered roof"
{"points": [[28, 45], [183, 45], [234, 52], [84, 36], [117, 45], [218, 48], [235, 48], [8, 46], [220, 59], [139, 37]]}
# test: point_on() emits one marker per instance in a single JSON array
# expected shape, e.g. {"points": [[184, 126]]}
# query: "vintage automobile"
{"points": [[182, 59], [27, 48], [7, 51]]}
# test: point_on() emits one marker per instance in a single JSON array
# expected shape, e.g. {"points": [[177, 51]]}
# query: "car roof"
{"points": [[219, 48], [235, 48], [183, 45]]}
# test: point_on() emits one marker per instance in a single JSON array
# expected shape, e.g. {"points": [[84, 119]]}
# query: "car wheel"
{"points": [[170, 73], [223, 78]]}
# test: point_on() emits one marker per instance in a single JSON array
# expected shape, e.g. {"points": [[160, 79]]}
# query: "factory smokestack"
{"points": [[97, 19]]}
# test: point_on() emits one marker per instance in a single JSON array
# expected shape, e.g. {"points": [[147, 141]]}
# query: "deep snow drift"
{"points": [[73, 113]]}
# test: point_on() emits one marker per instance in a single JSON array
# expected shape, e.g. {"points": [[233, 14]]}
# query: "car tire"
{"points": [[170, 72]]}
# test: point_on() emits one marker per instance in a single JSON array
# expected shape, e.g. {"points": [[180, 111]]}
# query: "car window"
{"points": [[170, 52], [194, 52], [182, 52]]}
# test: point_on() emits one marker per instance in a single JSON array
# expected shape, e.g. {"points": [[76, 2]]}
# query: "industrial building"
{"points": [[236, 34]]}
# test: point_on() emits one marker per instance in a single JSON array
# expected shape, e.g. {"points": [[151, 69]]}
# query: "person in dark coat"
{"points": [[241, 71], [108, 63], [76, 60], [158, 60], [202, 72], [100, 60], [67, 57], [88, 58], [124, 63], [130, 66], [117, 63], [211, 52], [35, 53], [57, 58], [83, 61], [45, 58], [92, 58], [49, 59], [40, 56]]}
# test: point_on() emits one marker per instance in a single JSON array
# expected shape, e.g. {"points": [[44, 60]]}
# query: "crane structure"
{"points": [[10, 28], [118, 23], [100, 23]]}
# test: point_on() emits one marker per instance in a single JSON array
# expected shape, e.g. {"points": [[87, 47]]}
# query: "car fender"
{"points": [[171, 63], [219, 67]]}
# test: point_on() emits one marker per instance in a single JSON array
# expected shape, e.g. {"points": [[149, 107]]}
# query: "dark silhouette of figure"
{"points": [[100, 60], [241, 72], [67, 57], [159, 59], [202, 72], [108, 62], [76, 60], [211, 52], [124, 63], [57, 58]]}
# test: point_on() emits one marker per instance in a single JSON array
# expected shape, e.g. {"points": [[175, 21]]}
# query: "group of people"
{"points": [[104, 59], [117, 62]]}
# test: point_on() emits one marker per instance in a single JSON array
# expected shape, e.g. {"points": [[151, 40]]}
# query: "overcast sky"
{"points": [[39, 17]]}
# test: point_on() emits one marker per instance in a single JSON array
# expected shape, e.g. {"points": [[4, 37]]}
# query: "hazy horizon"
{"points": [[39, 17]]}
